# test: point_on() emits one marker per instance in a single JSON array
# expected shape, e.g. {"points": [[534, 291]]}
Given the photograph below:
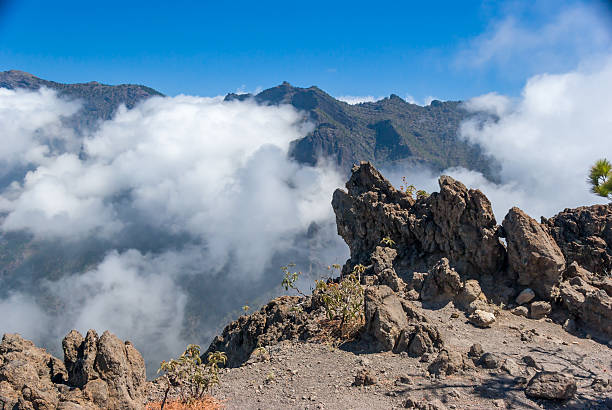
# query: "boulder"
{"points": [[447, 362], [551, 386], [525, 296], [539, 310], [384, 316], [532, 253], [491, 361], [26, 374], [470, 292], [480, 318], [588, 304], [396, 324], [466, 230], [276, 321], [476, 350], [520, 311]]}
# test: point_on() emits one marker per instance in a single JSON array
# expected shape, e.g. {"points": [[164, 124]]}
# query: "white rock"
{"points": [[480, 318]]}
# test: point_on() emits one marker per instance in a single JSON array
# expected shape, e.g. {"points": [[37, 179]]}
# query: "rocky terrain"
{"points": [[459, 312]]}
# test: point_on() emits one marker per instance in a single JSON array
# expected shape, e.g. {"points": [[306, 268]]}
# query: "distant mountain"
{"points": [[386, 132], [100, 101]]}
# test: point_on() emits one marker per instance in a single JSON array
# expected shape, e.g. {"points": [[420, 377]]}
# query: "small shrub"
{"points": [[407, 189], [291, 278], [192, 379], [343, 300], [421, 194], [206, 403], [411, 189]]}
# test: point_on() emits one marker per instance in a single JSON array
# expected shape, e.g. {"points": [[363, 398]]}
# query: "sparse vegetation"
{"points": [[600, 178], [290, 279], [388, 242], [206, 403], [190, 377], [344, 300], [410, 190]]}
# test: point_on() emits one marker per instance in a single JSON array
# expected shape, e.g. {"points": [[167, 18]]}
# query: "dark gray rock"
{"points": [[551, 386]]}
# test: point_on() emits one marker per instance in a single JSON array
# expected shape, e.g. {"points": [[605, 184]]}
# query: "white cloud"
{"points": [[213, 176], [356, 99], [547, 140], [31, 123], [565, 35], [133, 294]]}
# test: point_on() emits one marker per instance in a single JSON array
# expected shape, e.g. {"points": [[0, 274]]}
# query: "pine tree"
{"points": [[600, 178]]}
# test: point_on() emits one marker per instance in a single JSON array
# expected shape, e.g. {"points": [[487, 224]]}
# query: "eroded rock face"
{"points": [[280, 319], [532, 253], [442, 283], [455, 223], [584, 235], [99, 373], [588, 304], [27, 374], [395, 324]]}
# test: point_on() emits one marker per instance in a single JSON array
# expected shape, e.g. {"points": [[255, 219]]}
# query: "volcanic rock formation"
{"points": [[97, 373]]}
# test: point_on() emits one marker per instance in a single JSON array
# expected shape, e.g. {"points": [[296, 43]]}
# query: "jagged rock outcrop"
{"points": [[455, 223], [97, 373], [588, 304], [532, 253], [584, 235], [438, 249], [453, 237], [283, 318]]}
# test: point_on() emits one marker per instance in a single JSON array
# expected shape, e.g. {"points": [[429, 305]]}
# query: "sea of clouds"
{"points": [[176, 190], [189, 205]]}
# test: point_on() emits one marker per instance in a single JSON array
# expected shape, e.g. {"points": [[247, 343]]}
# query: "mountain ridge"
{"points": [[100, 101], [389, 132]]}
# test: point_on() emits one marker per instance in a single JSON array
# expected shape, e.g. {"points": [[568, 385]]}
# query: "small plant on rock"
{"points": [[411, 189], [421, 194], [343, 300], [290, 279], [191, 378], [388, 242]]}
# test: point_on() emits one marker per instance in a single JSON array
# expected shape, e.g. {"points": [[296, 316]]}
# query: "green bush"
{"points": [[191, 378], [343, 300]]}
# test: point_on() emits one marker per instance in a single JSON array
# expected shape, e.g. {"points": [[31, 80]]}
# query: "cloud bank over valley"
{"points": [[164, 221]]}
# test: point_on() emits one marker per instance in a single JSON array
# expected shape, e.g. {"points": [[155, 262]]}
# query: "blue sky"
{"points": [[445, 49]]}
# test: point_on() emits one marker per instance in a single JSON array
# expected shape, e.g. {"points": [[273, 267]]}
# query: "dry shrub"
{"points": [[205, 403]]}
